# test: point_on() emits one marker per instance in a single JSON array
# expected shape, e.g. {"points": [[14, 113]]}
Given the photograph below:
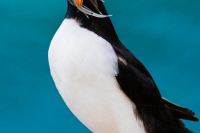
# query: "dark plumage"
{"points": [[157, 114]]}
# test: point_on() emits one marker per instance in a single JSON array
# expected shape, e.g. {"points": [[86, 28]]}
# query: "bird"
{"points": [[103, 84]]}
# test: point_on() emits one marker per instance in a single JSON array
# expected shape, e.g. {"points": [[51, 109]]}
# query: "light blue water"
{"points": [[163, 34]]}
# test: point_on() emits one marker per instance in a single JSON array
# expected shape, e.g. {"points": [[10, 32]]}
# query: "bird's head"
{"points": [[79, 4]]}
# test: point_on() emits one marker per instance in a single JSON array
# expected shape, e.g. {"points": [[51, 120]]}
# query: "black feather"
{"points": [[157, 114], [180, 112]]}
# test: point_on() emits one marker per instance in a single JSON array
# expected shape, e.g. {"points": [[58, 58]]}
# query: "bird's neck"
{"points": [[101, 26]]}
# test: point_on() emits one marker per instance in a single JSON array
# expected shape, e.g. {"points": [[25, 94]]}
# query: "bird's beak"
{"points": [[86, 10], [79, 2]]}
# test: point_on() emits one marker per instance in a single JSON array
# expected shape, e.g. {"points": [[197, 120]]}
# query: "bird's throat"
{"points": [[100, 26]]}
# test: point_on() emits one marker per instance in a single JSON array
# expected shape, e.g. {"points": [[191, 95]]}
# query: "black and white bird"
{"points": [[105, 86]]}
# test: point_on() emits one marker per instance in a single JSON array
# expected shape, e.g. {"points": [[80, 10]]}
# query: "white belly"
{"points": [[83, 66]]}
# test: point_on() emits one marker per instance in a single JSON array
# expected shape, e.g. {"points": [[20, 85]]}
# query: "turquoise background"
{"points": [[163, 34]]}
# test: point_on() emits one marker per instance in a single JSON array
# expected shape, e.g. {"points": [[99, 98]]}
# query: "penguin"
{"points": [[103, 84]]}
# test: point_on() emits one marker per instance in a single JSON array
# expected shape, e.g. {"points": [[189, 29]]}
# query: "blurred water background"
{"points": [[163, 34]]}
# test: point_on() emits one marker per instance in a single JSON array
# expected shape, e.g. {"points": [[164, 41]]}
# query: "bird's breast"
{"points": [[80, 57], [83, 66]]}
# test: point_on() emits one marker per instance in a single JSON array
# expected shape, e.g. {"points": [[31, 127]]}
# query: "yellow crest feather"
{"points": [[95, 4]]}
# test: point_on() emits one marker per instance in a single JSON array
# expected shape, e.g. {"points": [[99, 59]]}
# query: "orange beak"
{"points": [[79, 2]]}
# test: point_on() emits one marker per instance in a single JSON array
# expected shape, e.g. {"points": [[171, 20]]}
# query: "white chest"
{"points": [[83, 66]]}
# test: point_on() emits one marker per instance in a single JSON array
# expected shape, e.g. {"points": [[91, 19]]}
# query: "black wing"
{"points": [[139, 87], [136, 82], [181, 112]]}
